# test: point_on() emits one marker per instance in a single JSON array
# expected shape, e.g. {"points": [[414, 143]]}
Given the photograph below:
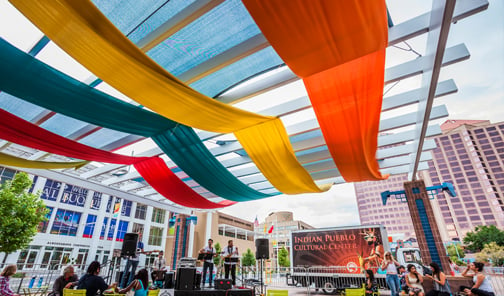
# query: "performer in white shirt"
{"points": [[231, 257], [158, 269], [208, 263]]}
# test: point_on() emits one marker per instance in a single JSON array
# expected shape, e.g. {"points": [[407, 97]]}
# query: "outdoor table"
{"points": [[39, 291]]}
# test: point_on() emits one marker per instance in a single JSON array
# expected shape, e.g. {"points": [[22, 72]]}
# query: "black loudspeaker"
{"points": [[185, 278], [262, 248], [129, 244], [168, 282], [223, 284], [197, 281]]}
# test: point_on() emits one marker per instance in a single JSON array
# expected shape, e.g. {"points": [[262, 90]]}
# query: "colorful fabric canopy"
{"points": [[14, 161], [27, 78], [338, 48], [101, 48], [171, 187], [22, 132]]}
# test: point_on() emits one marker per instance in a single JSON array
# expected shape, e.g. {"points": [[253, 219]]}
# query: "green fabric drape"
{"points": [[180, 142], [29, 79]]}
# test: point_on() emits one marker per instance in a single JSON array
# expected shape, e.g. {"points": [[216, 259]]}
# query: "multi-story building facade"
{"points": [[470, 155], [87, 221], [281, 224]]}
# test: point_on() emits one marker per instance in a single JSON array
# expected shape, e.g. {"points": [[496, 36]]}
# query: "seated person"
{"points": [[371, 286], [67, 280], [92, 282], [140, 284]]}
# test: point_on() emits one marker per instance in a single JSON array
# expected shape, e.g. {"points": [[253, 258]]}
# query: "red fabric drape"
{"points": [[157, 174], [338, 48], [22, 132], [152, 169]]}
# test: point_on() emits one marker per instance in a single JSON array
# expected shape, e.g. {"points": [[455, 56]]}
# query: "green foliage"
{"points": [[492, 253], [283, 257], [218, 250], [248, 259], [476, 240], [20, 213], [455, 251]]}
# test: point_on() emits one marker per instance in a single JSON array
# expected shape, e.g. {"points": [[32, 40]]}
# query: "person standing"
{"points": [[482, 286], [389, 264], [208, 264], [7, 272], [158, 268], [441, 286], [230, 259], [132, 264]]}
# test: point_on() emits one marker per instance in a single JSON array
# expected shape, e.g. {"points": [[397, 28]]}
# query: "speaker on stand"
{"points": [[129, 244], [262, 252]]}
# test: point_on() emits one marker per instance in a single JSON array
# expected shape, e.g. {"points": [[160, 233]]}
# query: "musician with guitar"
{"points": [[231, 258], [208, 264]]}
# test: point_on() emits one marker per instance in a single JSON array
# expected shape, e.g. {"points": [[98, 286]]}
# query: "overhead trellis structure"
{"points": [[182, 60]]}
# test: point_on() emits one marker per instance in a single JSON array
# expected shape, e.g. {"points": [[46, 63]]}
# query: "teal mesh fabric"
{"points": [[31, 80]]}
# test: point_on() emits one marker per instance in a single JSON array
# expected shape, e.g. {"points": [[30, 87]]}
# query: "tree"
{"points": [[493, 253], [20, 214], [476, 240], [283, 257], [217, 259], [455, 252], [248, 258]]}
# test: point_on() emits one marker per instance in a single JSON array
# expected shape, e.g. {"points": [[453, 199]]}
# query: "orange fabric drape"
{"points": [[314, 35], [347, 102], [338, 48]]}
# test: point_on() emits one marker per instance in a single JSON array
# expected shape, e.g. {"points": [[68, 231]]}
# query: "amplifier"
{"points": [[223, 284]]}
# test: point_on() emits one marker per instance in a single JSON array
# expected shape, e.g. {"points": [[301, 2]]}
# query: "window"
{"points": [[96, 201], [122, 228], [126, 208], [141, 211], [74, 195], [90, 226], [42, 227], [137, 228], [155, 236], [158, 215], [111, 229], [51, 190], [104, 227], [66, 223]]}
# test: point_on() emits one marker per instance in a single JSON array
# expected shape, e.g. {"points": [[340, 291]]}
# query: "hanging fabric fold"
{"points": [[14, 161], [338, 48], [171, 187], [31, 80], [22, 132], [102, 49]]}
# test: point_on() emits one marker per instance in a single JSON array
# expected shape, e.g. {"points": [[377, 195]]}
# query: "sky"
{"points": [[479, 80]]}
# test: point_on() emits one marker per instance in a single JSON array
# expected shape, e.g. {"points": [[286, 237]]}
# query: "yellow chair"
{"points": [[277, 293], [356, 291], [72, 292], [153, 292]]}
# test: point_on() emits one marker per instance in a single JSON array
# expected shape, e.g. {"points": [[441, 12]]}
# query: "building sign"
{"points": [[51, 190], [353, 248], [74, 195], [96, 201]]}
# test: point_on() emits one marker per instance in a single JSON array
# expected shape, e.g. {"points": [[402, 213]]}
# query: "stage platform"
{"points": [[215, 292]]}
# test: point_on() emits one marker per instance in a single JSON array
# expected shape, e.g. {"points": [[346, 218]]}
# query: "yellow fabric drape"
{"points": [[80, 29], [10, 160]]}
